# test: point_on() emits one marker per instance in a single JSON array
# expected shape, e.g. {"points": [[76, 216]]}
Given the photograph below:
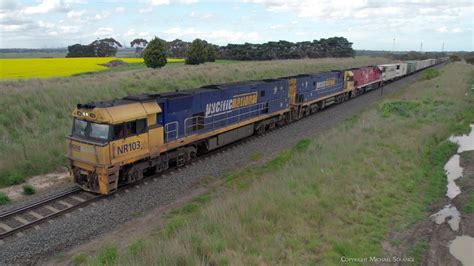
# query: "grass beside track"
{"points": [[336, 195], [36, 114]]}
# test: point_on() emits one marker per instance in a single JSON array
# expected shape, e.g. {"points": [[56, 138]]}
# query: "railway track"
{"points": [[17, 220], [13, 222]]}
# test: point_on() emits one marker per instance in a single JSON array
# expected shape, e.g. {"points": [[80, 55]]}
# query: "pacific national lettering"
{"points": [[234, 103]]}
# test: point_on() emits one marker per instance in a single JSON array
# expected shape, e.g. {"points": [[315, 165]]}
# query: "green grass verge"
{"points": [[4, 198], [418, 250], [29, 146], [80, 259], [468, 206], [337, 194], [107, 255], [429, 74]]}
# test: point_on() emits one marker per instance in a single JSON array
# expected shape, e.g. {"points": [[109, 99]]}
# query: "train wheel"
{"points": [[134, 174]]}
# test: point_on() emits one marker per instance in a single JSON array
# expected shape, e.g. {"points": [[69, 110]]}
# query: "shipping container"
{"points": [[393, 71], [366, 77], [411, 66]]}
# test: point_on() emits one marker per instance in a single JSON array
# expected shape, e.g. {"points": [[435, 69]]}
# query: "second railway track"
{"points": [[17, 220]]}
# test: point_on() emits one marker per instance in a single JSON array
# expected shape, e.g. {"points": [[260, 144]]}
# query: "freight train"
{"points": [[120, 141]]}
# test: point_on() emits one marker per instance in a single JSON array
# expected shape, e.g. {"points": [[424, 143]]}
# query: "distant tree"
{"points": [[78, 50], [106, 47], [210, 53], [154, 54], [331, 47], [454, 58], [98, 48], [139, 45], [197, 53], [469, 59], [177, 48]]}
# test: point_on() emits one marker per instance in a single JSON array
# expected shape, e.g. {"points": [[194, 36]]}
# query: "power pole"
{"points": [[421, 47], [393, 46]]}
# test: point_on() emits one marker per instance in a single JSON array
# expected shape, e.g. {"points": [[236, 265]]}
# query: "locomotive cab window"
{"points": [[90, 130], [398, 67], [262, 93], [129, 129]]}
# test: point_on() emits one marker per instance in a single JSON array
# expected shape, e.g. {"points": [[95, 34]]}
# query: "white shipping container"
{"points": [[419, 65], [393, 71]]}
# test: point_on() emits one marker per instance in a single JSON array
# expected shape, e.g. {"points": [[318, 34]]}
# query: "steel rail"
{"points": [[36, 204]]}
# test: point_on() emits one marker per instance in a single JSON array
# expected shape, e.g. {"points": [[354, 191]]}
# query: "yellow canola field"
{"points": [[23, 68]]}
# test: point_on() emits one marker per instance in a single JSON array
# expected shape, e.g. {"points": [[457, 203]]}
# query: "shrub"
{"points": [[12, 178], [107, 255], [197, 53], [136, 247], [155, 53], [210, 53], [4, 199], [28, 190], [401, 108], [80, 259], [430, 73], [469, 58], [454, 58]]}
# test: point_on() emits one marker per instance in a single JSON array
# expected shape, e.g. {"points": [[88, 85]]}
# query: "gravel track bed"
{"points": [[83, 225]]}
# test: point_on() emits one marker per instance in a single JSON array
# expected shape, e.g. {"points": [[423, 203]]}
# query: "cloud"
{"points": [[445, 29], [120, 9], [202, 16], [442, 29], [102, 15], [6, 5], [104, 32], [129, 33], [146, 9], [152, 3], [364, 9], [168, 2], [46, 6], [159, 2], [75, 14], [68, 29], [217, 36]]}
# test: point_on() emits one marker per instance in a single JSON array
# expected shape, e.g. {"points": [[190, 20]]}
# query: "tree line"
{"points": [[331, 47], [200, 51], [98, 48]]}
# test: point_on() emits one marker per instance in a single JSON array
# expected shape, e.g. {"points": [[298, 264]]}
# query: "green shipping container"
{"points": [[411, 66]]}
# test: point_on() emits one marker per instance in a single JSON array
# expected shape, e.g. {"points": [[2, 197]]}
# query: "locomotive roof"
{"points": [[159, 97]]}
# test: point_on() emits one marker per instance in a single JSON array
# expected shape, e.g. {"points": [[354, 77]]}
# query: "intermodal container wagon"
{"points": [[411, 66], [393, 71], [367, 77]]}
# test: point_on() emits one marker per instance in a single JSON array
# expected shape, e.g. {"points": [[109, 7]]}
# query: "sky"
{"points": [[401, 25]]}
